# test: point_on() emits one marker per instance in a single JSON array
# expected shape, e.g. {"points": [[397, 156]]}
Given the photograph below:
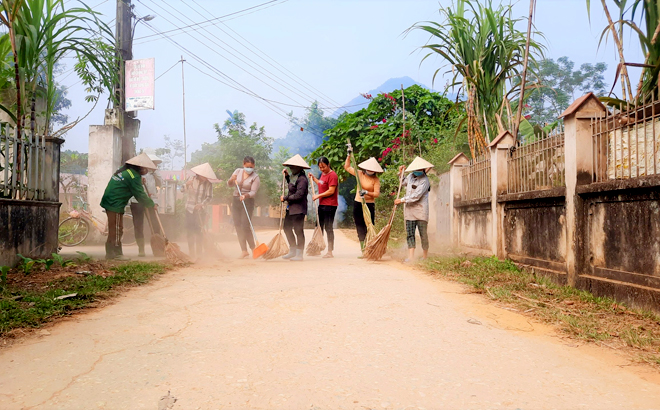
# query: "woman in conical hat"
{"points": [[368, 174], [296, 209], [125, 183], [200, 192], [416, 204], [152, 181], [249, 182]]}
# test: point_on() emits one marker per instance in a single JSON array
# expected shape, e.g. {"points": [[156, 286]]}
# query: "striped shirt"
{"points": [[199, 192]]}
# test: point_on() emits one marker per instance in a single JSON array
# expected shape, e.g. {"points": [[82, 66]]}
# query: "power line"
{"points": [[231, 60], [296, 79], [210, 20]]}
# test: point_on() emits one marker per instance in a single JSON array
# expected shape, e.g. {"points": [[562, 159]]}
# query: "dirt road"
{"points": [[321, 334]]}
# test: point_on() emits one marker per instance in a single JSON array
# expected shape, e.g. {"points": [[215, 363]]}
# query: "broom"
{"points": [[378, 246], [157, 240], [317, 244], [173, 253], [366, 213], [278, 246]]}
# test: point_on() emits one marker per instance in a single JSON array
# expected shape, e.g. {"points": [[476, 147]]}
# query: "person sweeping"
{"points": [[416, 205], [249, 183], [125, 183], [152, 181], [294, 221], [200, 193], [328, 197], [368, 174]]}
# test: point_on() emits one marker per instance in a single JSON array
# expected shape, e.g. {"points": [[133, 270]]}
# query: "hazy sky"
{"points": [[335, 48]]}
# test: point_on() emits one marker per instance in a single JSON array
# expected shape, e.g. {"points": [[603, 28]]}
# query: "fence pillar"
{"points": [[104, 160], [578, 156], [455, 191], [52, 171], [499, 175]]}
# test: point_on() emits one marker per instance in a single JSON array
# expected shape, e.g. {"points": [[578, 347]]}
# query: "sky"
{"points": [[297, 51]]}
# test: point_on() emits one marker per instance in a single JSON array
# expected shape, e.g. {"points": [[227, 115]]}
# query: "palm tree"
{"points": [[485, 53]]}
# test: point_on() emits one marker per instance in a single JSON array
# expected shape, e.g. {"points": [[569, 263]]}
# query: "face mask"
{"points": [[248, 170], [370, 173], [295, 170], [418, 173]]}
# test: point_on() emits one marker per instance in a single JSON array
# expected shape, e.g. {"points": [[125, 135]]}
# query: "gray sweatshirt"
{"points": [[416, 201]]}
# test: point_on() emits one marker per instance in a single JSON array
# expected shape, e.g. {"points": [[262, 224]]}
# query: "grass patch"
{"points": [[22, 307], [578, 314]]}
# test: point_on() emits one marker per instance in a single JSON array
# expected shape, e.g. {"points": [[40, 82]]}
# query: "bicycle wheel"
{"points": [[128, 238], [73, 231]]}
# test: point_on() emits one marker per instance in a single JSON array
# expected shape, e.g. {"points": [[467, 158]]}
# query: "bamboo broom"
{"points": [[366, 213], [278, 246], [317, 244], [378, 246]]}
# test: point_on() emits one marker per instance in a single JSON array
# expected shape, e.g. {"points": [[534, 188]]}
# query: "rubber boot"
{"points": [[291, 254], [140, 244], [119, 254], [109, 251], [362, 249], [299, 255]]}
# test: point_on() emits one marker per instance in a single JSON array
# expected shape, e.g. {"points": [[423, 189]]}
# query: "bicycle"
{"points": [[74, 230]]}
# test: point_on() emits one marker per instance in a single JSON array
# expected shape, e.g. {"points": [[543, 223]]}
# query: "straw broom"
{"points": [[278, 246], [366, 213], [378, 246], [173, 253], [317, 244], [157, 240]]}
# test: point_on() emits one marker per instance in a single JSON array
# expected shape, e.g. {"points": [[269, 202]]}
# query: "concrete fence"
{"points": [[580, 206]]}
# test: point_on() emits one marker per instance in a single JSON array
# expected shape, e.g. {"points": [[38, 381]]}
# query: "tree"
{"points": [[485, 51], [559, 84], [173, 149], [236, 140], [73, 162], [377, 130], [306, 133]]}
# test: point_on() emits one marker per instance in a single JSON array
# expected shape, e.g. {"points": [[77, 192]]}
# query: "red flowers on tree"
{"points": [[373, 127], [367, 96]]}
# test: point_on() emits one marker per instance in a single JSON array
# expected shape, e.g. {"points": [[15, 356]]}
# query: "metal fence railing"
{"points": [[476, 179], [538, 165], [22, 164], [626, 143]]}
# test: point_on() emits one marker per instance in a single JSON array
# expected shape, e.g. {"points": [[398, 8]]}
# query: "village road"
{"points": [[321, 334]]}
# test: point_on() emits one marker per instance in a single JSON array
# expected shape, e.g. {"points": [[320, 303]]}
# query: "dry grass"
{"points": [[578, 314]]}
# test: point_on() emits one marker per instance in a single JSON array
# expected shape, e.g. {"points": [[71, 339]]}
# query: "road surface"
{"points": [[320, 334]]}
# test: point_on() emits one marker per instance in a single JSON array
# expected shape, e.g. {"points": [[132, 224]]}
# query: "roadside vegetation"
{"points": [[37, 292], [578, 314]]}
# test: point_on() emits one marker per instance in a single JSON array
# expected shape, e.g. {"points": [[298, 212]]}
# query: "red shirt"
{"points": [[325, 182]]}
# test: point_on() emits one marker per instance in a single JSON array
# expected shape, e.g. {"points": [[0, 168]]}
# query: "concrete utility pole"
{"points": [[185, 146], [126, 121]]}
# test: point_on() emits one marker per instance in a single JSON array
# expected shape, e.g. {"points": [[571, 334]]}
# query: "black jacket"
{"points": [[297, 197]]}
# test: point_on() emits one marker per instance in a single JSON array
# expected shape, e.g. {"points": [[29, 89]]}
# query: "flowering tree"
{"points": [[377, 130]]}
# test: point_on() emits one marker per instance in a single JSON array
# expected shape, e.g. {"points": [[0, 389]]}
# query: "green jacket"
{"points": [[121, 188]]}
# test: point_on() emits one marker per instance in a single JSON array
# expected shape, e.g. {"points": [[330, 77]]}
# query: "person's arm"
{"points": [[333, 182], [137, 189], [347, 165], [422, 187], [208, 193], [232, 179], [329, 192]]}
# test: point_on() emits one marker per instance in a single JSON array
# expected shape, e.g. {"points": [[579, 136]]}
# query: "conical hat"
{"points": [[419, 164], [296, 161], [371, 165], [204, 170], [154, 158], [143, 161]]}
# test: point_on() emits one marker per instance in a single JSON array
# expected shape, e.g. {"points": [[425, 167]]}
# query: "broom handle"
{"points": [[314, 203], [398, 192], [146, 211], [282, 203], [254, 235]]}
